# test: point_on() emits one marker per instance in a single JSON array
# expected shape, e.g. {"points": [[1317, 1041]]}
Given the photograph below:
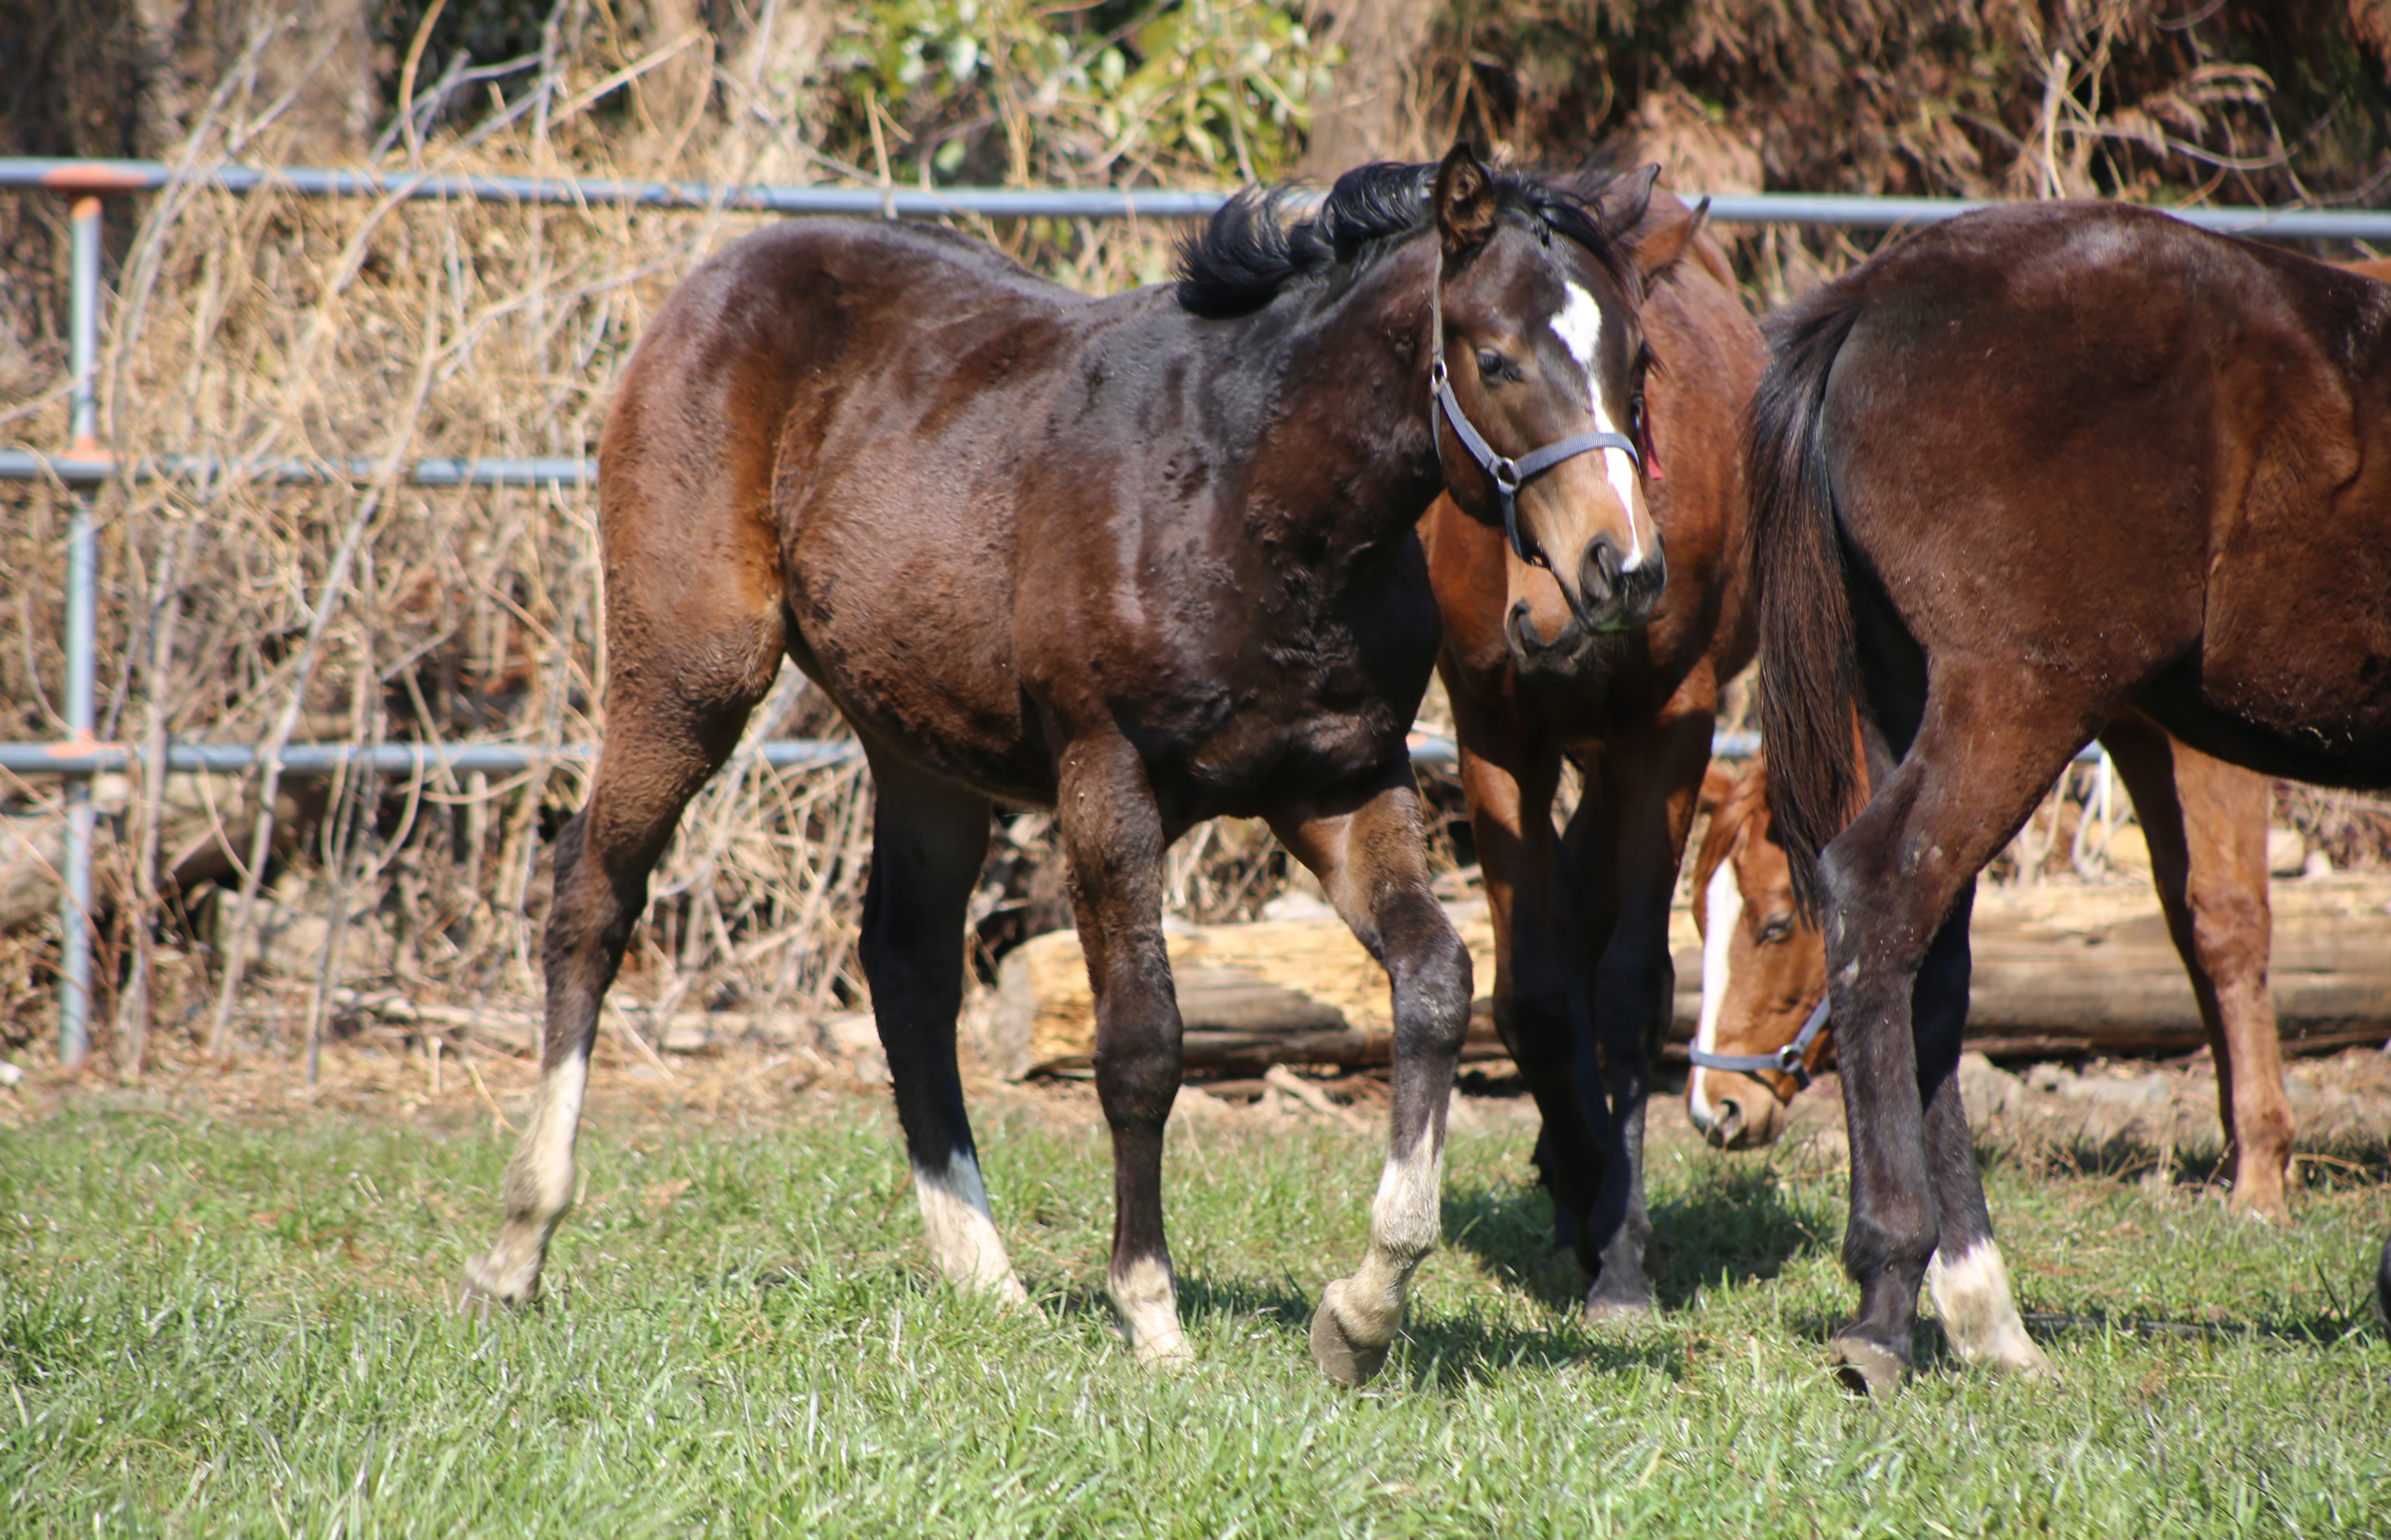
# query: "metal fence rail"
{"points": [[86, 463], [1852, 211]]}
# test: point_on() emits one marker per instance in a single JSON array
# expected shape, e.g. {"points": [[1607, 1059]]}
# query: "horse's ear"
{"points": [[1465, 201], [1666, 235], [1618, 207]]}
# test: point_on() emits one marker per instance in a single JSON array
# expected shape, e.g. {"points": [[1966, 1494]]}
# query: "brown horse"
{"points": [[2020, 472], [1765, 967], [1583, 982], [1146, 560]]}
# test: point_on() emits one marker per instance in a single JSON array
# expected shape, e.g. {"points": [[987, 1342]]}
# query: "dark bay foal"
{"points": [[1584, 987], [2022, 470], [1146, 561]]}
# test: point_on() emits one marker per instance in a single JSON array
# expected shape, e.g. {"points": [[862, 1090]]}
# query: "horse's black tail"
{"points": [[1809, 660]]}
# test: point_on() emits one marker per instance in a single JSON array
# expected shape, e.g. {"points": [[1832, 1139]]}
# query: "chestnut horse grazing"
{"points": [[1582, 983], [1146, 561], [1764, 966], [2023, 471]]}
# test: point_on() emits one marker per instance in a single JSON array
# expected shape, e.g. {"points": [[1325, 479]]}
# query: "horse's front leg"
{"points": [[1113, 833], [1656, 778], [1366, 844], [1538, 1002]]}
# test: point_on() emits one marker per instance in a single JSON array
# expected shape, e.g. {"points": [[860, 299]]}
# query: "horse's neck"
{"points": [[1350, 475]]}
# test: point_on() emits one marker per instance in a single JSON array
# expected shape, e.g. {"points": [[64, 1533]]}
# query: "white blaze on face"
{"points": [[1579, 326], [1722, 914]]}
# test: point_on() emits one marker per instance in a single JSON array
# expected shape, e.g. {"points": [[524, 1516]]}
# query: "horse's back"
{"points": [[2148, 452], [785, 448]]}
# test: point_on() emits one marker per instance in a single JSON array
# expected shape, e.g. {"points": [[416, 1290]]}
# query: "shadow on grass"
{"points": [[1931, 1353], [2347, 1159], [1436, 1351], [1733, 1229]]}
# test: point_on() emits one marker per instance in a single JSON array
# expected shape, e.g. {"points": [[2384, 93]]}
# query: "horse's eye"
{"points": [[1492, 366], [1635, 415], [1777, 927]]}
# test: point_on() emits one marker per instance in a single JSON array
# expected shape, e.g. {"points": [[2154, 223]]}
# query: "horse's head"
{"points": [[1764, 969], [1542, 428]]}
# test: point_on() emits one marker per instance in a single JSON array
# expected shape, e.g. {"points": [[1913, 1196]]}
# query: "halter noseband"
{"points": [[1788, 1060], [1509, 474]]}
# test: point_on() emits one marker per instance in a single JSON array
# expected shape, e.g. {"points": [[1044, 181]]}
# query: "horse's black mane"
{"points": [[1248, 253]]}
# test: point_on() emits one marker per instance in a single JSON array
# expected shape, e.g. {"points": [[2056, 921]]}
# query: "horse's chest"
{"points": [[1240, 694], [1310, 704]]}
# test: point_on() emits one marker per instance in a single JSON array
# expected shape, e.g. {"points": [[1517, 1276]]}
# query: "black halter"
{"points": [[1788, 1060], [1509, 474]]}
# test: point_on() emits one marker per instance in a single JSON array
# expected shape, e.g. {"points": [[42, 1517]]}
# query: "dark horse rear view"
{"points": [[1147, 561], [2022, 470]]}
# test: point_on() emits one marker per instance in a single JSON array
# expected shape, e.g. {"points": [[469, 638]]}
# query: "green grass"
{"points": [[208, 1327]]}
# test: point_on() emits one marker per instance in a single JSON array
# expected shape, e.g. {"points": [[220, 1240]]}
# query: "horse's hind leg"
{"points": [[929, 838], [2206, 823], [1889, 883], [683, 684], [1967, 1279], [1368, 846]]}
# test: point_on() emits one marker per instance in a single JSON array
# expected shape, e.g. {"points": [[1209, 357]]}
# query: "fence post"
{"points": [[83, 592]]}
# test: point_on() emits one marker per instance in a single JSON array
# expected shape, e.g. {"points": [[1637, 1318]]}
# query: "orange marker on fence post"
{"points": [[82, 591]]}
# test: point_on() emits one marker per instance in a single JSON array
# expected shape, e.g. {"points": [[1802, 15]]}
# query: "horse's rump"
{"points": [[2095, 440]]}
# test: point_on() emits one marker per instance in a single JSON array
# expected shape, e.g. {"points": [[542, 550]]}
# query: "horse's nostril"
{"points": [[1599, 569], [1730, 1116]]}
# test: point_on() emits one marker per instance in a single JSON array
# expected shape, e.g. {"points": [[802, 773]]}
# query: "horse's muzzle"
{"points": [[1604, 601], [1606, 595], [1751, 1119]]}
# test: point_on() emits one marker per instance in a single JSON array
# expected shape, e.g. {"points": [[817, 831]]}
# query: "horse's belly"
{"points": [[908, 632]]}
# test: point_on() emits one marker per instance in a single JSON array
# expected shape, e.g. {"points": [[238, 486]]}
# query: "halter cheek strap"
{"points": [[1792, 1059], [1507, 474]]}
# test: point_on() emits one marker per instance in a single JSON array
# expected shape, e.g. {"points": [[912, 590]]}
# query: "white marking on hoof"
{"points": [[538, 1191], [1148, 1301], [1980, 1316], [963, 1232], [1339, 1354]]}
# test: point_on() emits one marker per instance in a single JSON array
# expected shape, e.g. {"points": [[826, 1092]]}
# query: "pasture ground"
{"points": [[225, 1308]]}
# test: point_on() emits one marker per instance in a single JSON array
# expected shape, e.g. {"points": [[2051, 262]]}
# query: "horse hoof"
{"points": [[483, 1291], [1171, 1354], [1618, 1312], [1339, 1357], [1864, 1368], [1619, 1293]]}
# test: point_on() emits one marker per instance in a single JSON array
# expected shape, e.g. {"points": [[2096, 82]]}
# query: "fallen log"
{"points": [[1250, 996], [2061, 970]]}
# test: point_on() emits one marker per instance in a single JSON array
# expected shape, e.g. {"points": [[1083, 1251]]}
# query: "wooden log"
{"points": [[2061, 970], [1292, 991]]}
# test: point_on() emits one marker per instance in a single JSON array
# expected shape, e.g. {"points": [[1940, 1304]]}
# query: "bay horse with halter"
{"points": [[2012, 477], [1764, 1028], [1146, 560], [1584, 987]]}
